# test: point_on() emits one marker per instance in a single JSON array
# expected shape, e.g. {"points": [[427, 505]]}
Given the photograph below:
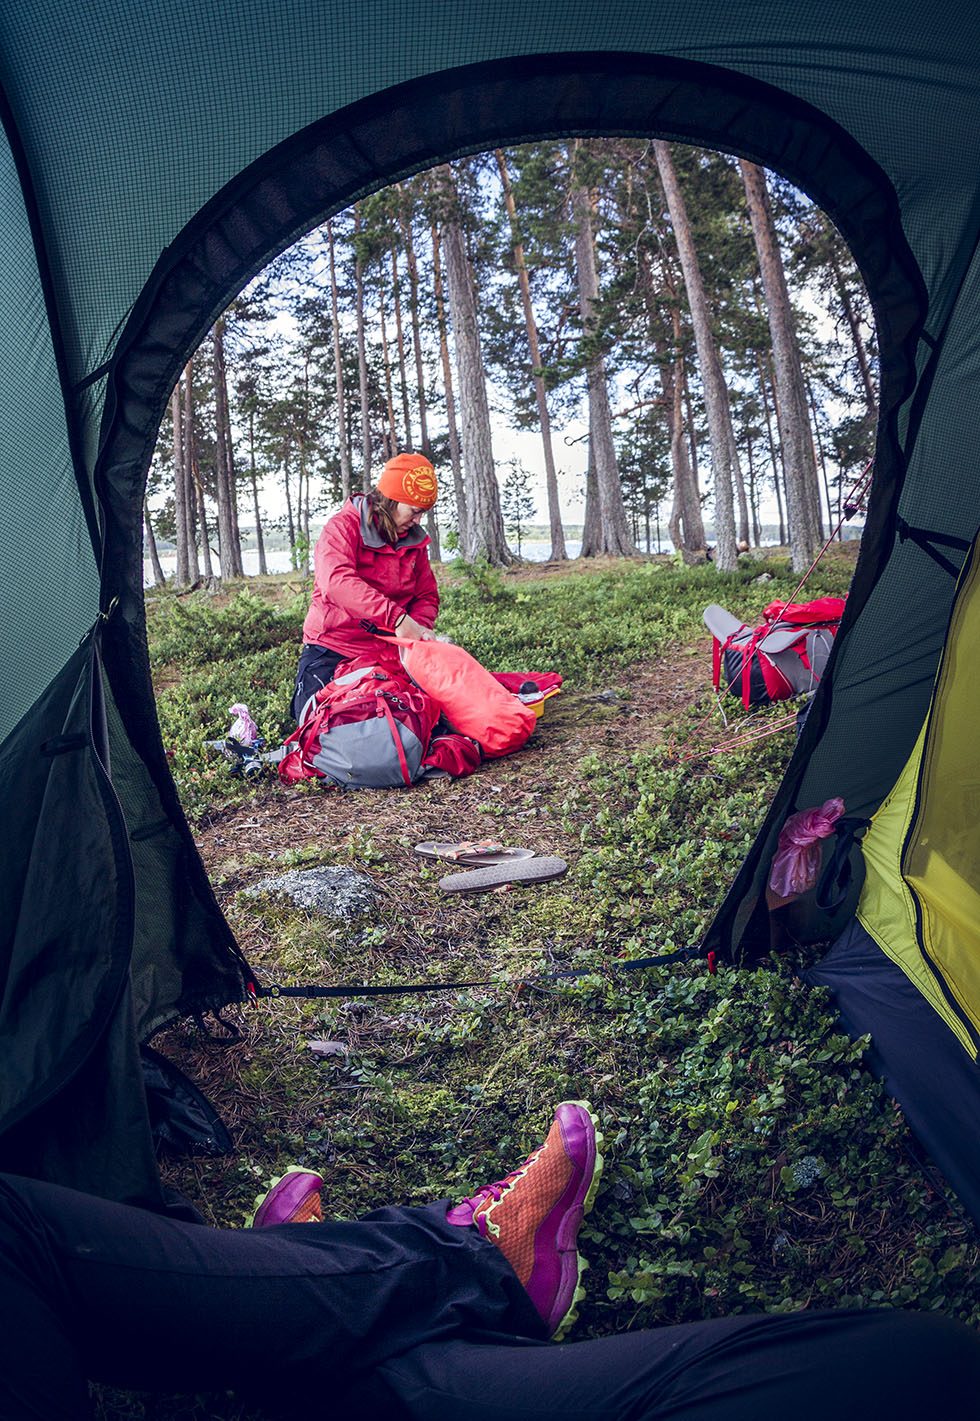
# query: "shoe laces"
{"points": [[499, 1187]]}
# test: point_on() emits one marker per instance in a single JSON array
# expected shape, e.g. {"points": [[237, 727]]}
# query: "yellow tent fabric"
{"points": [[921, 897]]}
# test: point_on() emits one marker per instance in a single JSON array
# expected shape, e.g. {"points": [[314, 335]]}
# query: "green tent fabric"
{"points": [[155, 158]]}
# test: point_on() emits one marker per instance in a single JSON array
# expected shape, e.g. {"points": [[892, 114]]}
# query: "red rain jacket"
{"points": [[358, 578]]}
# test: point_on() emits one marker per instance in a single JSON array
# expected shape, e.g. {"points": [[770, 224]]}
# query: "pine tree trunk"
{"points": [[259, 538], [558, 552], [717, 408], [338, 371], [455, 456], [231, 564], [773, 453], [202, 515], [190, 463], [182, 572], [591, 519], [753, 492], [485, 524], [151, 544], [391, 439], [413, 314], [820, 456], [290, 524], [362, 371], [431, 524], [400, 342], [740, 497], [686, 523], [792, 415], [614, 529]]}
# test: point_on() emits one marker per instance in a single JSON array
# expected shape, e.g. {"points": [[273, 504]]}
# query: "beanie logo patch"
{"points": [[420, 486]]}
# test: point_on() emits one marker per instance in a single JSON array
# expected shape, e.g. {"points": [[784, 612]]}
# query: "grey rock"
{"points": [[334, 892]]}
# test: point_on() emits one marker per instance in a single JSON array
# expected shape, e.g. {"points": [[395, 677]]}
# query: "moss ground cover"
{"points": [[753, 1163]]}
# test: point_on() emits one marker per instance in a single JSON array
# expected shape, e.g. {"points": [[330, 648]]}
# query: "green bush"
{"points": [[193, 631]]}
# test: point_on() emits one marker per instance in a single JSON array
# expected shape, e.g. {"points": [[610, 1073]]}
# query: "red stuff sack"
{"points": [[469, 696]]}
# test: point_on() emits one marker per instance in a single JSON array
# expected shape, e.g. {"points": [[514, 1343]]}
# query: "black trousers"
{"points": [[402, 1315], [314, 669]]}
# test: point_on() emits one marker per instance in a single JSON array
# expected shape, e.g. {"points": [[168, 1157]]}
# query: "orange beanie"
{"points": [[409, 478]]}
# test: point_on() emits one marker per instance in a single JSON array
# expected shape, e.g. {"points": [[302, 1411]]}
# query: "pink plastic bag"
{"points": [[243, 727], [796, 862]]}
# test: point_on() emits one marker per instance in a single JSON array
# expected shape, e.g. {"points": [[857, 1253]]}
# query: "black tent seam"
{"points": [[93, 376], [925, 539], [29, 196], [924, 389]]}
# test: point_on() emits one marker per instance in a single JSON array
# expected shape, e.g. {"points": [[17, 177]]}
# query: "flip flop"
{"points": [[473, 851], [478, 880]]}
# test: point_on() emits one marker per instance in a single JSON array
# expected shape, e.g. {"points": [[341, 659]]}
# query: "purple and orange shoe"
{"points": [[534, 1214], [294, 1198]]}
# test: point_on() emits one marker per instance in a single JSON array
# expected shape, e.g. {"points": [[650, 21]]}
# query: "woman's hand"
{"points": [[408, 627]]}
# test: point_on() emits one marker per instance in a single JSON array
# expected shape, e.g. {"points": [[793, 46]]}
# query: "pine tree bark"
{"points": [[362, 371], [591, 519], [202, 517], [290, 522], [253, 477], [686, 524], [455, 454], [792, 414], [411, 262], [229, 550], [774, 458], [190, 462], [485, 523], [182, 571], [720, 435], [151, 544], [338, 373], [400, 343], [558, 552], [614, 534], [391, 438]]}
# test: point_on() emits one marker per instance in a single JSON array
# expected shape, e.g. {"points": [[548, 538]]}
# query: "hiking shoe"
{"points": [[534, 1214], [293, 1199]]}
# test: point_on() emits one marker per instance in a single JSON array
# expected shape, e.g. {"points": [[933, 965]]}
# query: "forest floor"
{"points": [[752, 1162]]}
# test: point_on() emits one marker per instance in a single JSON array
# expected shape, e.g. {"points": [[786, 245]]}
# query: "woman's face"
{"points": [[405, 515]]}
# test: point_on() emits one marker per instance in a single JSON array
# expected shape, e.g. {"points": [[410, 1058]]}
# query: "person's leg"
{"points": [[849, 1366], [92, 1289], [315, 668]]}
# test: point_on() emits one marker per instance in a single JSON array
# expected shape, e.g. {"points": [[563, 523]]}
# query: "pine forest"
{"points": [[606, 346]]}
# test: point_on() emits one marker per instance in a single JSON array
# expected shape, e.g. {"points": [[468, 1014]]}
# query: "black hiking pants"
{"points": [[315, 668], [401, 1315]]}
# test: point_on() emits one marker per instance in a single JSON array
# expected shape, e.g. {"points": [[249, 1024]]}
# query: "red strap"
{"points": [[715, 662], [393, 727]]}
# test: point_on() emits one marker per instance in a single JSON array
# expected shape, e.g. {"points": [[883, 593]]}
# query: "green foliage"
{"points": [[587, 627], [752, 1161], [193, 631]]}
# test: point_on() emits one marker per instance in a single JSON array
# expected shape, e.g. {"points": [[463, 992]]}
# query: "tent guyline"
{"points": [[684, 954]]}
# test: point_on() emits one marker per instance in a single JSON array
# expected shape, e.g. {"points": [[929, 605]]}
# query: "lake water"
{"points": [[278, 560]]}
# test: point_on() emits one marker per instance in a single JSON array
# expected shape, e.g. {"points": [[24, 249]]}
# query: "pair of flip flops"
{"points": [[491, 865]]}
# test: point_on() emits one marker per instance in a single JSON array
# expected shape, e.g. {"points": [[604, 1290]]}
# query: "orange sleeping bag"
{"points": [[469, 697]]}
